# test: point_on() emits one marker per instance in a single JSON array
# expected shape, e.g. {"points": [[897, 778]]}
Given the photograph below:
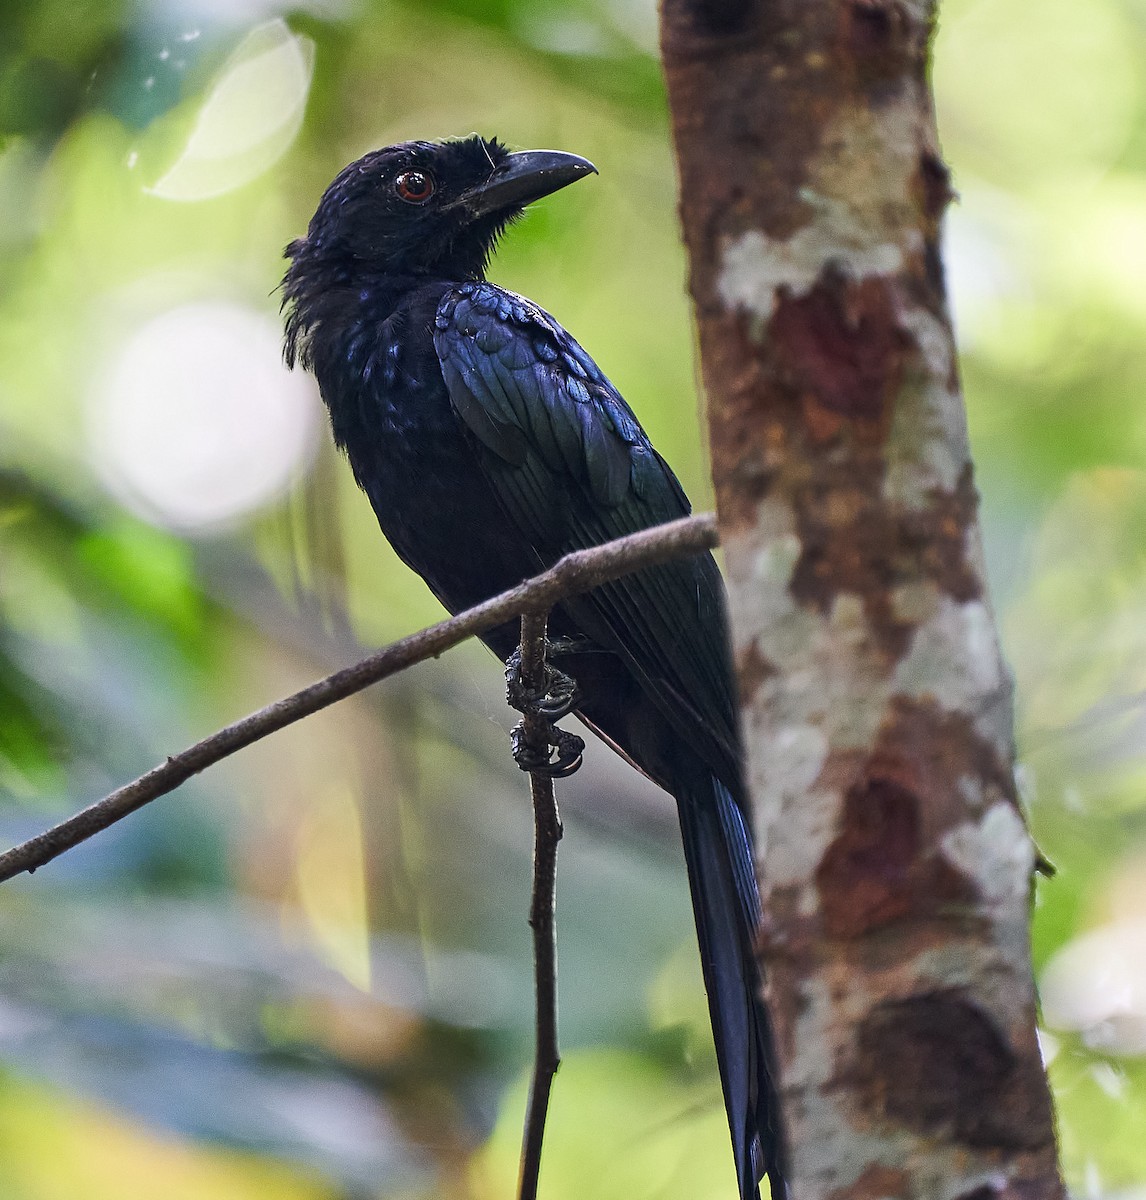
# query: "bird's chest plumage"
{"points": [[412, 456]]}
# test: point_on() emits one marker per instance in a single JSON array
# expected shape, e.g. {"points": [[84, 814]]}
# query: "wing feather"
{"points": [[572, 467]]}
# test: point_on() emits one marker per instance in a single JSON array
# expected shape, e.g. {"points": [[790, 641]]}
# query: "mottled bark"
{"points": [[894, 859]]}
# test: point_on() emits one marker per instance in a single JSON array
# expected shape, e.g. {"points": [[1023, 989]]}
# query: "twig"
{"points": [[546, 834], [578, 572]]}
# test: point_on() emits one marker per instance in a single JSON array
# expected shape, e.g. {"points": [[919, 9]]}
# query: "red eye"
{"points": [[415, 187]]}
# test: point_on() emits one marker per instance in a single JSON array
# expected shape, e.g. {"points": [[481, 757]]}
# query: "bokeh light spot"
{"points": [[198, 422], [1096, 986], [249, 118]]}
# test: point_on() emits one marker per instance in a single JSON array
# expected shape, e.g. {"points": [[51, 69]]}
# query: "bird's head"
{"points": [[430, 208]]}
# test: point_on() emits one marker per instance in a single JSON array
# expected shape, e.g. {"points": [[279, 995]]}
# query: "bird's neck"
{"points": [[330, 295]]}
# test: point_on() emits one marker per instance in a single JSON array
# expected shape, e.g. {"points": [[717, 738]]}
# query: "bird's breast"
{"points": [[410, 454]]}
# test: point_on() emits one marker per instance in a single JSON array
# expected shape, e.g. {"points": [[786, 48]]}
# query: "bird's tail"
{"points": [[726, 904]]}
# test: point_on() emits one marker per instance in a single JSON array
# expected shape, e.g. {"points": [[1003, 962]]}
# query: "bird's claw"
{"points": [[570, 749], [559, 699], [559, 696], [568, 746]]}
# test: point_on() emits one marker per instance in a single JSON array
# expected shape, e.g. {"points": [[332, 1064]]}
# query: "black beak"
{"points": [[523, 178]]}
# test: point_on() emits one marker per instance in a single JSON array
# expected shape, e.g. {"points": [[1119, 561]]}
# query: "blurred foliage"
{"points": [[307, 974]]}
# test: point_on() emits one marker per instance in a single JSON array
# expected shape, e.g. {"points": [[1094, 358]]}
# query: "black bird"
{"points": [[490, 444]]}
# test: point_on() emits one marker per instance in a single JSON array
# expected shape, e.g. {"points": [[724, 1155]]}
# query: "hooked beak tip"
{"points": [[526, 176]]}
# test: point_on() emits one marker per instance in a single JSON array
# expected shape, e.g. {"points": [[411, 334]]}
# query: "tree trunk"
{"points": [[895, 862]]}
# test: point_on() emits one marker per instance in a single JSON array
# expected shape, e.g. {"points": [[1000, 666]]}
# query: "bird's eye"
{"points": [[415, 187]]}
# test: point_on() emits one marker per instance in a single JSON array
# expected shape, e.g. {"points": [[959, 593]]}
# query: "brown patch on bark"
{"points": [[934, 184], [938, 1063], [940, 533], [853, 542], [875, 1183], [754, 439], [711, 18], [772, 104], [868, 876], [876, 39], [941, 748], [932, 193], [840, 348], [885, 864]]}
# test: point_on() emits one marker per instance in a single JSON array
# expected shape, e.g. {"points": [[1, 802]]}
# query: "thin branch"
{"points": [[542, 919], [578, 572]]}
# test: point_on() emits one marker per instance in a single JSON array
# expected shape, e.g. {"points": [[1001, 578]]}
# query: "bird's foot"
{"points": [[568, 747], [560, 696]]}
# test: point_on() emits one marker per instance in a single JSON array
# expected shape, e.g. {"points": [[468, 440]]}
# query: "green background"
{"points": [[306, 974]]}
